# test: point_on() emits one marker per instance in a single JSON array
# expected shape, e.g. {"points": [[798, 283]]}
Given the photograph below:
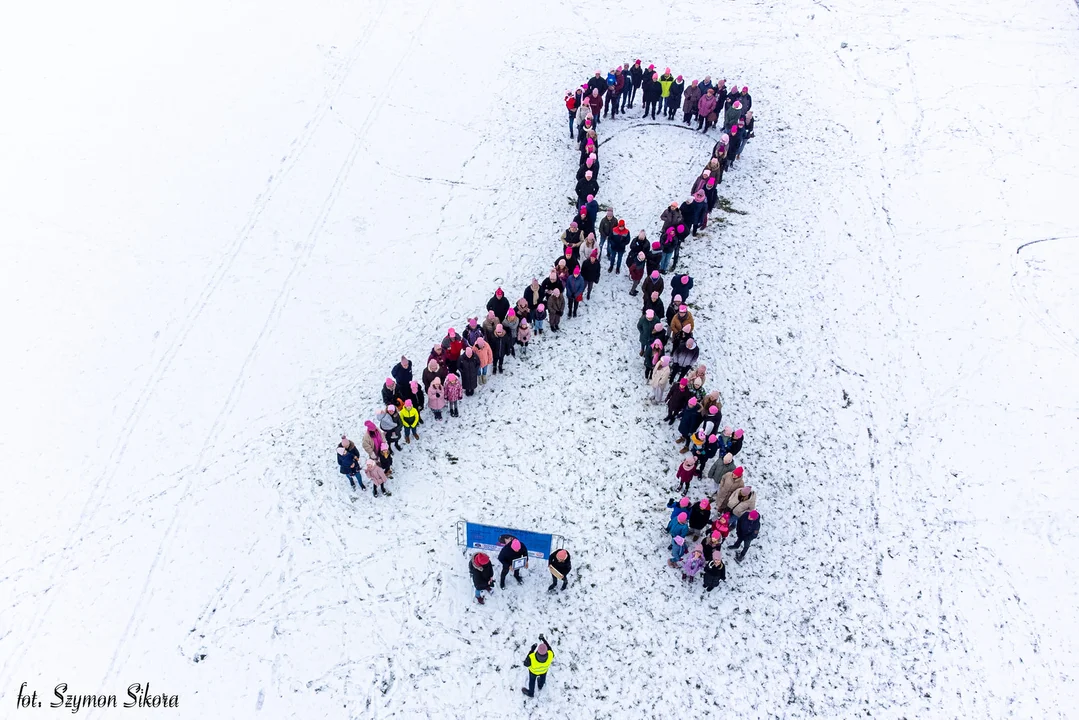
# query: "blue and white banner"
{"points": [[491, 538]]}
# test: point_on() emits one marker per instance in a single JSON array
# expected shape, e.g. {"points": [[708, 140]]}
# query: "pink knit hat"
{"points": [[516, 544], [679, 540], [727, 431], [649, 314], [705, 504], [715, 535], [655, 274], [693, 402], [754, 515], [682, 517], [712, 438], [684, 502], [683, 383], [540, 307], [499, 328], [682, 308], [738, 433], [389, 381]]}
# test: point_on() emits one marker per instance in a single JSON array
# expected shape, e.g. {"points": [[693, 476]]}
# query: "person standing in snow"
{"points": [[688, 421], [540, 315], [735, 445], [378, 478], [748, 527], [390, 424], [692, 565], [636, 74], [678, 549], [637, 264], [410, 419], [677, 399], [661, 375], [684, 474], [486, 357], [714, 571], [453, 392], [513, 556], [349, 466], [591, 272], [586, 186], [559, 566], [644, 330], [572, 102], [574, 291], [674, 101], [389, 391], [373, 440], [470, 371], [606, 229], [706, 111], [501, 346], [679, 525], [616, 246], [436, 399], [680, 287], [483, 575], [716, 473], [538, 661], [524, 336], [499, 305], [556, 305], [692, 96], [700, 515], [402, 372]]}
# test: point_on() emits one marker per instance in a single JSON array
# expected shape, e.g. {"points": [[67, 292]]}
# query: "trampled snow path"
{"points": [[931, 520]]}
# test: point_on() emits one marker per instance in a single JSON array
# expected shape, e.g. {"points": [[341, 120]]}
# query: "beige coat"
{"points": [[740, 506], [728, 485], [368, 444], [660, 376]]}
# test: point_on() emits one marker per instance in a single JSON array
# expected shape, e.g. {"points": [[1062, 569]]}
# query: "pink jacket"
{"points": [[436, 398], [453, 389], [375, 473], [524, 334]]}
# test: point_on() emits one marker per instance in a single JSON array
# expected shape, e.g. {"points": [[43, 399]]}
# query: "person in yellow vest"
{"points": [[538, 662], [410, 418]]}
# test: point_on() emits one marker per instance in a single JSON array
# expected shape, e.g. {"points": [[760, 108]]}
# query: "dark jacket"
{"points": [[690, 419], [748, 528], [563, 567], [736, 445], [590, 270], [503, 346], [636, 73], [676, 93], [401, 374], [597, 83], [699, 517], [483, 577], [671, 218], [651, 261], [574, 286], [714, 571], [389, 397], [470, 371], [587, 187], [499, 306], [677, 397], [547, 286], [534, 297], [649, 285], [347, 464], [507, 554], [656, 307]]}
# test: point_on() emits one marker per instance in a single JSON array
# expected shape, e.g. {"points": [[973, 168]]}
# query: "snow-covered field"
{"points": [[224, 223]]}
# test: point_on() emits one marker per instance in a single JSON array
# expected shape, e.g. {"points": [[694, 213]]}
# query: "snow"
{"points": [[225, 223]]}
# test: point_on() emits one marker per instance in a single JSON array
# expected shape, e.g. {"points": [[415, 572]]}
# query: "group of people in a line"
{"points": [[712, 104]]}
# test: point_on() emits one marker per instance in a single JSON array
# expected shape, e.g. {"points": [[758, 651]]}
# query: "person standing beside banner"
{"points": [[513, 555], [559, 565]]}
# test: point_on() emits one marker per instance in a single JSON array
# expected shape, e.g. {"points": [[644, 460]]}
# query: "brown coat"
{"points": [[368, 444], [678, 323]]}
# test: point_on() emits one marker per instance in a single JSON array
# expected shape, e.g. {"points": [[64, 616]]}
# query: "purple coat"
{"points": [[706, 105]]}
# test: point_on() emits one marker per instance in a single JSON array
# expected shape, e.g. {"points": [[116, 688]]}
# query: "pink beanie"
{"points": [[712, 438], [682, 308], [516, 544], [738, 433], [390, 408], [754, 515], [704, 504], [715, 535], [499, 328], [683, 383], [408, 403], [727, 430], [389, 381], [693, 402], [679, 540], [655, 274], [649, 314], [682, 517], [684, 502], [713, 410]]}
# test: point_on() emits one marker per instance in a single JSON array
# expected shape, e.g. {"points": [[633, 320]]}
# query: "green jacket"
{"points": [[644, 329]]}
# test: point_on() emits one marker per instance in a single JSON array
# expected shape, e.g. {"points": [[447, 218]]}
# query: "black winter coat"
{"points": [[499, 306], [736, 445], [547, 286], [470, 371], [562, 567], [597, 83], [502, 346], [677, 88], [587, 187], [507, 554], [389, 397], [401, 374], [636, 73], [482, 577], [590, 270], [699, 518], [677, 398]]}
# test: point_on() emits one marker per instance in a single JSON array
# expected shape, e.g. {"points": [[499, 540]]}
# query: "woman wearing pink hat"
{"points": [[748, 528], [513, 556]]}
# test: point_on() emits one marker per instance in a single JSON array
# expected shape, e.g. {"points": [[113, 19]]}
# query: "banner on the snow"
{"points": [[491, 538]]}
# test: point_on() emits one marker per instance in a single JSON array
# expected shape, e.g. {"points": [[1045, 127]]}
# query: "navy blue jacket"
{"points": [[748, 528], [691, 418], [681, 288], [401, 374]]}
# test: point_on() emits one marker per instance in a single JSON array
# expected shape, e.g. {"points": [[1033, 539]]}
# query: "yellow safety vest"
{"points": [[539, 667]]}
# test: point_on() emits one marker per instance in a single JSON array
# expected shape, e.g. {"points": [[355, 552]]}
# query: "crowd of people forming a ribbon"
{"points": [[464, 360]]}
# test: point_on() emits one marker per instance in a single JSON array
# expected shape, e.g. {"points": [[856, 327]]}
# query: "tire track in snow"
{"points": [[269, 324], [100, 484]]}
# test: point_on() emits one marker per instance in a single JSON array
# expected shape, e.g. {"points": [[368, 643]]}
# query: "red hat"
{"points": [[498, 292], [481, 558], [738, 471]]}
